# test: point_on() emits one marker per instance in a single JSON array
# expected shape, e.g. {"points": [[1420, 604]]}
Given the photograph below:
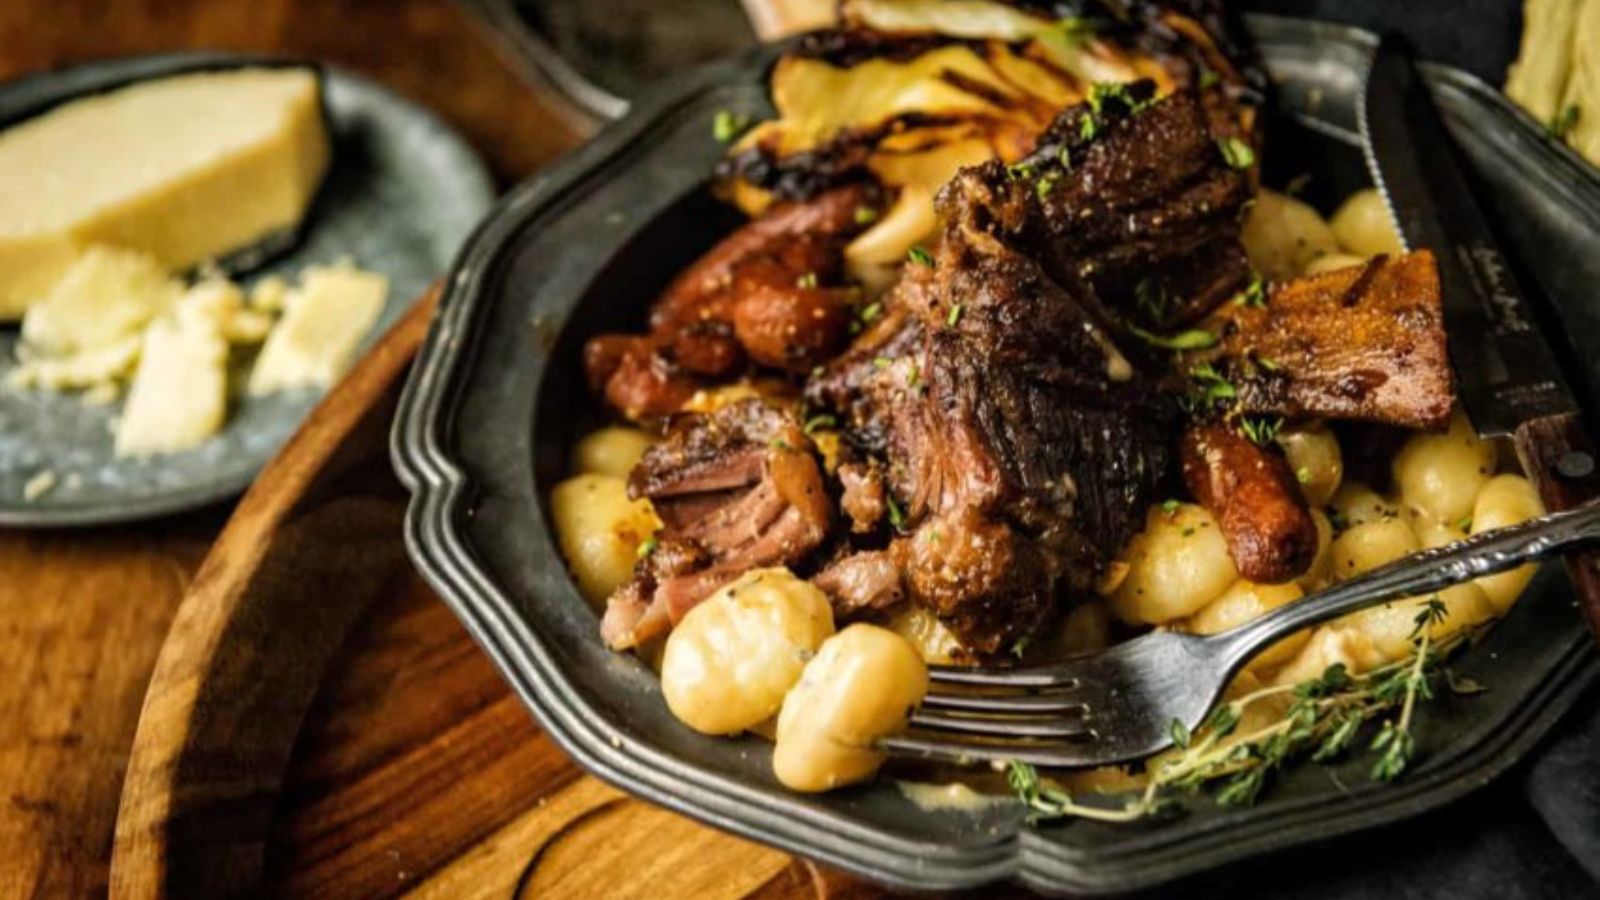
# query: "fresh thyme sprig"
{"points": [[1322, 721]]}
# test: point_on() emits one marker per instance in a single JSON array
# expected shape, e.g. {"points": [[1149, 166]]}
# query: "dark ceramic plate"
{"points": [[497, 398], [404, 191]]}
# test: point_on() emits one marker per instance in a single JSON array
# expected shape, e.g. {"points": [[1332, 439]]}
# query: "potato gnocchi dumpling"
{"points": [[1331, 644], [860, 687], [1357, 504], [1364, 227], [1315, 459], [1176, 565], [1245, 601], [1282, 236], [929, 636], [1505, 500], [611, 451], [733, 658], [1391, 626], [1320, 572], [1333, 262], [600, 531], [1367, 546], [1439, 475]]}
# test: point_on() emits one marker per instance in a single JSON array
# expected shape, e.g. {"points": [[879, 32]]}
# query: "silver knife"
{"points": [[1507, 376]]}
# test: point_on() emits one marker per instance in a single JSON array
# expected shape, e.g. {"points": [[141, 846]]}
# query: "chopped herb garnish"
{"points": [[954, 317], [866, 215], [1464, 523], [1188, 532], [807, 282], [897, 518], [1193, 339], [882, 362], [1303, 475], [1562, 123], [1237, 153], [1209, 77], [1020, 171], [1170, 507], [871, 311], [1253, 295], [1041, 188], [1180, 734], [1021, 645], [820, 421], [646, 547], [1150, 295], [1088, 128], [726, 126], [779, 443], [1260, 429], [1213, 386], [920, 256], [1064, 156]]}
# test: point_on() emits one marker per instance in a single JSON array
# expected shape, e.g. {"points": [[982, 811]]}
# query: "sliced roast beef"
{"points": [[735, 490], [1364, 343]]}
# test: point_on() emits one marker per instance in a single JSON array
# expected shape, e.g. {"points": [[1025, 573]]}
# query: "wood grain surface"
{"points": [[413, 768]]}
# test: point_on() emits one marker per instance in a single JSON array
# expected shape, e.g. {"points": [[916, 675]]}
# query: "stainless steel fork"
{"points": [[1119, 705]]}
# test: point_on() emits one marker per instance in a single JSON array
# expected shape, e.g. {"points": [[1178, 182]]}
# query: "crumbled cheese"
{"points": [[323, 321], [179, 396], [106, 296], [39, 485]]}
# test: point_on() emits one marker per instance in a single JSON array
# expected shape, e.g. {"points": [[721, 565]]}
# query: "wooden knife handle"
{"points": [[1561, 459]]}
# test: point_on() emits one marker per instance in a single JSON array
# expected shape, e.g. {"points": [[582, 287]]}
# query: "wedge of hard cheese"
{"points": [[187, 169]]}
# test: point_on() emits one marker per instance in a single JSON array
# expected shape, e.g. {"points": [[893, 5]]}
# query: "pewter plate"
{"points": [[496, 399], [403, 193]]}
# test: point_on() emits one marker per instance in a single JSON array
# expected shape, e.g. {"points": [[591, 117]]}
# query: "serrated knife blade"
{"points": [[1506, 373], [1507, 376]]}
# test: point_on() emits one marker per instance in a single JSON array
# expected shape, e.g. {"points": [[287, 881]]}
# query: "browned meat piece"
{"points": [[862, 498], [1021, 443], [760, 294], [1256, 500], [1364, 343], [735, 490], [1147, 212], [869, 581]]}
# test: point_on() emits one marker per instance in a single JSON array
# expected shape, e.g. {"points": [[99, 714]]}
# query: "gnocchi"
{"points": [[1314, 457], [1391, 626], [1369, 545], [1363, 226], [611, 451], [1439, 475], [1320, 572], [1176, 565], [1356, 504], [600, 531], [731, 660], [1282, 236], [1505, 500], [1333, 262], [929, 636], [861, 686], [1245, 601]]}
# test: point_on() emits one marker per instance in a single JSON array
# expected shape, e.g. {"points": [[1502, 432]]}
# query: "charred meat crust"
{"points": [[1256, 500], [760, 294], [1365, 343], [737, 489]]}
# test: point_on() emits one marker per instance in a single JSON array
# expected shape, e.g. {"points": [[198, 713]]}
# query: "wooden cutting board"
{"points": [[319, 724]]}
